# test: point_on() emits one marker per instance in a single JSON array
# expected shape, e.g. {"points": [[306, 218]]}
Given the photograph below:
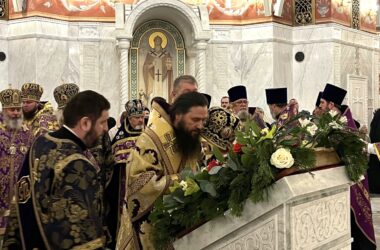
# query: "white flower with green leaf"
{"points": [[333, 113], [304, 122], [335, 125], [282, 158], [343, 119], [183, 185], [312, 129]]}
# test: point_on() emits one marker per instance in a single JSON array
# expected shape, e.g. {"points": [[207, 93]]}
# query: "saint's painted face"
{"points": [[97, 130], [157, 43], [13, 117], [136, 122], [29, 108], [225, 102]]}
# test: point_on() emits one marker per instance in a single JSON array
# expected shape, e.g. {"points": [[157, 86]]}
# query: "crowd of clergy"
{"points": [[75, 178]]}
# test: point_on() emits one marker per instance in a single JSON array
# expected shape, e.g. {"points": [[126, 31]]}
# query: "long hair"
{"points": [[185, 102]]}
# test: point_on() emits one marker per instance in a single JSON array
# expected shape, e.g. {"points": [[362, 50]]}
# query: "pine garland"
{"points": [[250, 174]]}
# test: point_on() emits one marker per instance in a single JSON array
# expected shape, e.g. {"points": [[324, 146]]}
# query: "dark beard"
{"points": [[29, 115], [188, 145], [90, 139]]}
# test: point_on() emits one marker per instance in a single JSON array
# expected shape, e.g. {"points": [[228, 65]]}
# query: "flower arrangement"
{"points": [[250, 169]]}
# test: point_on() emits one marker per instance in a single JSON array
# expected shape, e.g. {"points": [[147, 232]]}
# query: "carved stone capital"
{"points": [[201, 45], [123, 43]]}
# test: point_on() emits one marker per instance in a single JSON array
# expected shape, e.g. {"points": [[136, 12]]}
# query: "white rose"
{"points": [[312, 129], [304, 122], [343, 119], [183, 184], [282, 158], [333, 113], [335, 125]]}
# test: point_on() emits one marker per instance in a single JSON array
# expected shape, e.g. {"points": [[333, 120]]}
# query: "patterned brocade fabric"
{"points": [[70, 214], [44, 121], [152, 166], [13, 147], [124, 142], [64, 209]]}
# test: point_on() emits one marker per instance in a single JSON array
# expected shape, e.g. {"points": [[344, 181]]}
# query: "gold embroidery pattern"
{"points": [[143, 179], [170, 143], [66, 194], [363, 205], [23, 189], [94, 244]]}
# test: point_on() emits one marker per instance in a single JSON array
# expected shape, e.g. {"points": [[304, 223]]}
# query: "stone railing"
{"points": [[304, 211]]}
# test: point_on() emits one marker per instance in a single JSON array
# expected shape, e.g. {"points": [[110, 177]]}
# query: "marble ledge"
{"points": [[295, 193], [312, 34], [59, 38], [55, 27]]}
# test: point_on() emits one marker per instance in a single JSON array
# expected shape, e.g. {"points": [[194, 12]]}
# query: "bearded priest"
{"points": [[14, 143], [170, 143], [39, 116]]}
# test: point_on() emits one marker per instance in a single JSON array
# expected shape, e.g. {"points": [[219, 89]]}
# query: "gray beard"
{"points": [[138, 127], [243, 115], [14, 124]]}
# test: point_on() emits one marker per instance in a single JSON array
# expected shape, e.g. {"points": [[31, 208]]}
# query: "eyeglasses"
{"points": [[242, 101]]}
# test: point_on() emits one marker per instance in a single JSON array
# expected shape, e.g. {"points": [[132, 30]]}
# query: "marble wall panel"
{"points": [[51, 59], [22, 61], [109, 76], [282, 66], [257, 72], [4, 68], [359, 61], [258, 56], [311, 75], [72, 68]]}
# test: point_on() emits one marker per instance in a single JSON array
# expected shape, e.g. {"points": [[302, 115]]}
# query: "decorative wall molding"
{"points": [[317, 222], [200, 28], [357, 89], [261, 237]]}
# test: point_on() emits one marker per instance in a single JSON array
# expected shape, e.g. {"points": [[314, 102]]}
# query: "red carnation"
{"points": [[237, 148], [212, 164]]}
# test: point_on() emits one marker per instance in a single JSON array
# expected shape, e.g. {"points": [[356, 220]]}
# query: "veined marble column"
{"points": [[191, 56], [201, 65], [123, 45]]}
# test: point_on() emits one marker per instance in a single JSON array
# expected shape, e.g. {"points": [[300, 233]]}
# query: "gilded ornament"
{"points": [[23, 189], [12, 149], [23, 149]]}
